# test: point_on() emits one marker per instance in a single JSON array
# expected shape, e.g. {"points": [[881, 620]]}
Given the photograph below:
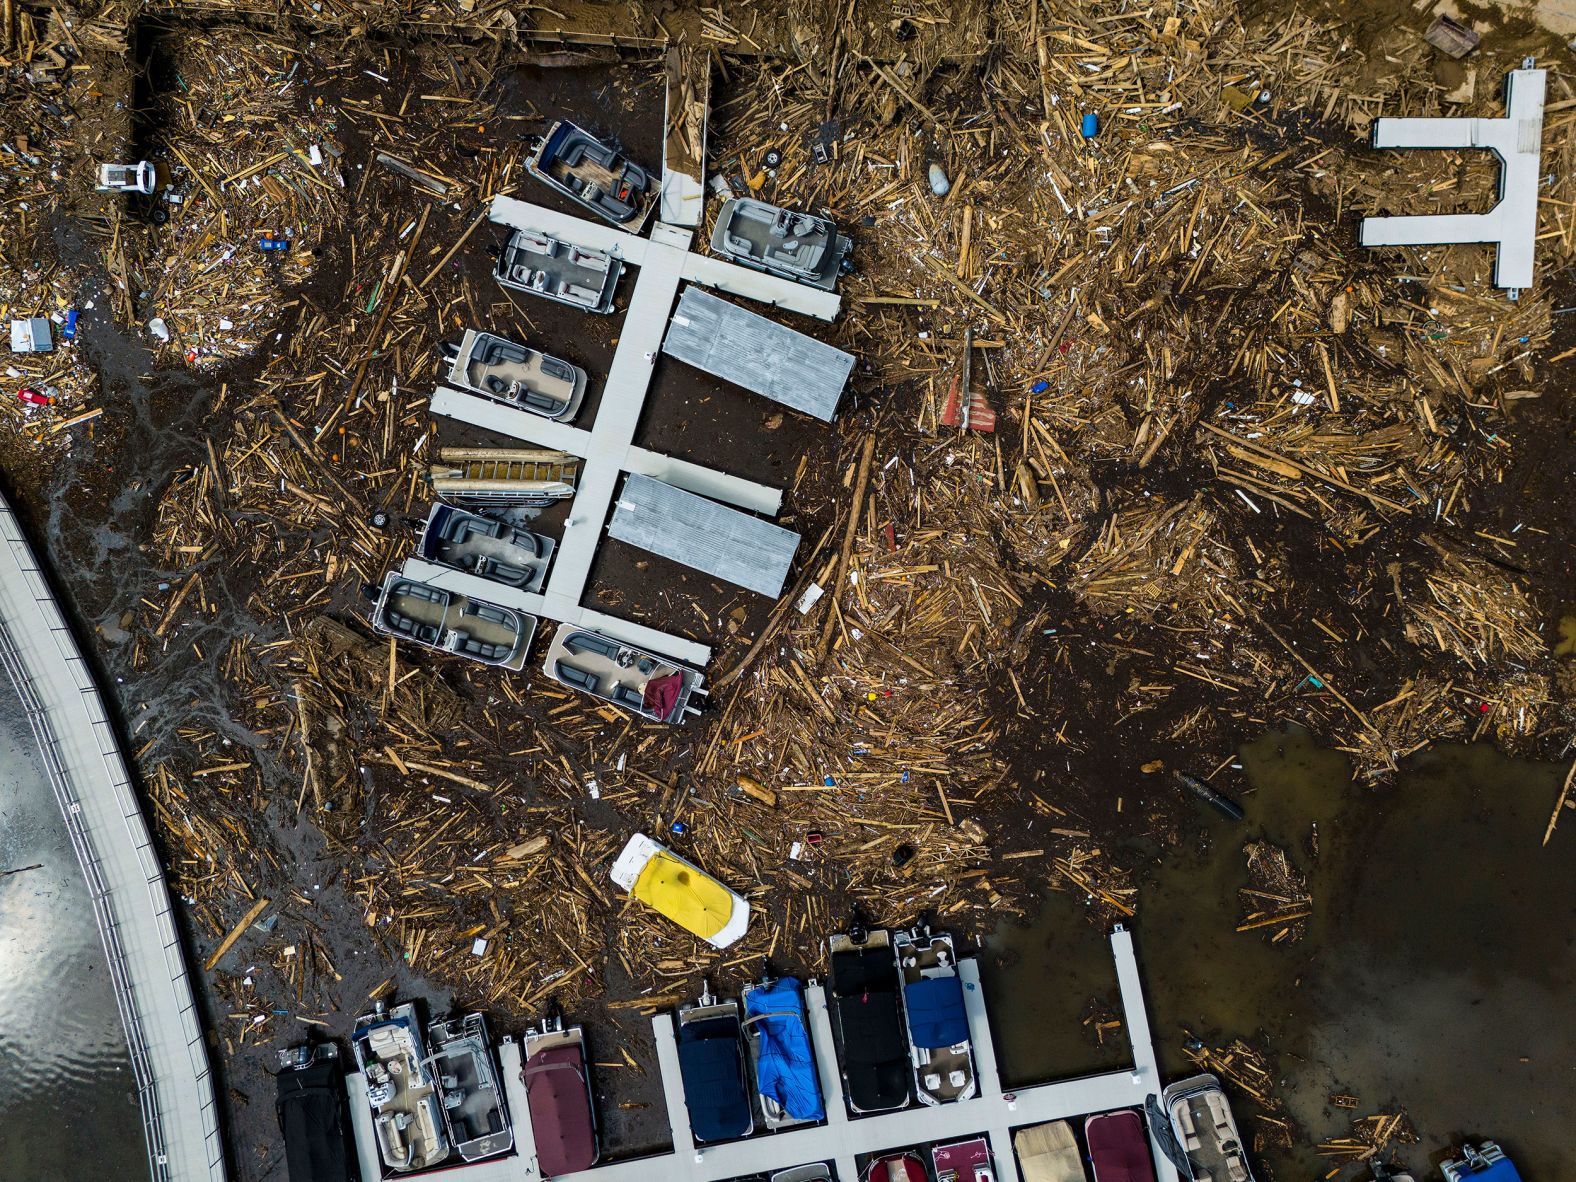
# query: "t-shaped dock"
{"points": [[841, 1140], [608, 446], [1512, 224]]}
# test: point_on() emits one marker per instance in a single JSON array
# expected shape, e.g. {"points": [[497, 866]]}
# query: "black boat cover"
{"points": [[310, 1104], [711, 1064], [875, 1052]]}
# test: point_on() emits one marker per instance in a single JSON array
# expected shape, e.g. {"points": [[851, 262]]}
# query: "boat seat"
{"points": [[575, 677], [590, 642], [480, 648], [579, 293], [453, 1100], [957, 1078], [932, 1082], [554, 368], [1235, 1170], [1191, 1141], [495, 615], [405, 626], [1184, 1114], [591, 261], [524, 539], [626, 695], [422, 592], [504, 351], [503, 572]]}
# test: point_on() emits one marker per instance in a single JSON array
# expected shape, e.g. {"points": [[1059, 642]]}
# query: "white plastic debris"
{"points": [[159, 329], [479, 946], [939, 184]]}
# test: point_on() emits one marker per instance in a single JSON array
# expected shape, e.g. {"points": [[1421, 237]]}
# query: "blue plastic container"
{"points": [[1091, 126]]}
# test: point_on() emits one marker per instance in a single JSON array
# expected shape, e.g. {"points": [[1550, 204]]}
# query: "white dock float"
{"points": [[1517, 139]]}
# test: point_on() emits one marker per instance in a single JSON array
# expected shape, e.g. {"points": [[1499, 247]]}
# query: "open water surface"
{"points": [[68, 1103], [1438, 973]]}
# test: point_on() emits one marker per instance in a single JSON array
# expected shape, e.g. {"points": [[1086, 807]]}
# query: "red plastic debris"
{"points": [[980, 416], [25, 394]]}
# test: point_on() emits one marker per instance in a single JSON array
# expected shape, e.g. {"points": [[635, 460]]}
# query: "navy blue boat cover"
{"points": [[935, 1012], [719, 1107], [785, 1065]]}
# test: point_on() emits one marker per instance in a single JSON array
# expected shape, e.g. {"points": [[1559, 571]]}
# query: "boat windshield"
{"points": [[696, 902]]}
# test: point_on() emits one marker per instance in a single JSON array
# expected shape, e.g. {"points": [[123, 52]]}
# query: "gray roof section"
{"points": [[723, 542], [758, 354]]}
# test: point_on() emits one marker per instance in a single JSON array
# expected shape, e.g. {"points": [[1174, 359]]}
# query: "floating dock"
{"points": [[994, 1112]]}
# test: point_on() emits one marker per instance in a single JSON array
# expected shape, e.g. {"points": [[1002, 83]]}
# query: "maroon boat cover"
{"points": [[1119, 1148], [662, 694], [555, 1084]]}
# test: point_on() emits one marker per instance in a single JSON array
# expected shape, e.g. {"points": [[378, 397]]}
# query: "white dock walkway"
{"points": [[125, 878]]}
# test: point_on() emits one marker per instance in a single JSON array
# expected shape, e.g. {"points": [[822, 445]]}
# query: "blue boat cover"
{"points": [[935, 1012], [784, 1065], [1500, 1171], [719, 1107]]}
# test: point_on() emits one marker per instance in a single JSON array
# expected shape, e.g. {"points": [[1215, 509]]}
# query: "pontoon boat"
{"points": [[597, 175], [784, 242], [406, 1114], [1119, 1147], [778, 1036], [1207, 1132], [449, 622], [485, 547], [540, 264], [642, 683], [474, 1110], [711, 1063], [309, 1100], [963, 1161], [868, 1020], [558, 1087], [938, 1028], [517, 376]]}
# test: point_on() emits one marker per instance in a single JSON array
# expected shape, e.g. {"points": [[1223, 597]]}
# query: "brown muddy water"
{"points": [[1437, 974], [68, 1102]]}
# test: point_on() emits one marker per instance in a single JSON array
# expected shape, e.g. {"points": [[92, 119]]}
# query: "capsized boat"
{"points": [[1118, 1147], [474, 1110], [938, 1028], [1481, 1163], [309, 1101], [1049, 1153], [541, 265], [778, 1037], [711, 1064], [406, 1116], [596, 174], [783, 242], [558, 1088], [963, 1161], [1204, 1127], [649, 686], [897, 1167], [868, 1020], [680, 890]]}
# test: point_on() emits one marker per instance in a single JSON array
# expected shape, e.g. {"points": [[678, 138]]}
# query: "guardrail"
{"points": [[103, 907]]}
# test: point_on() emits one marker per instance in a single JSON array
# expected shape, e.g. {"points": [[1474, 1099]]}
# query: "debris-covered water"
{"points": [[1435, 976], [67, 1097]]}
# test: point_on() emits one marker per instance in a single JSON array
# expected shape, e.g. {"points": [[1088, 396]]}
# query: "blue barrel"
{"points": [[1091, 126]]}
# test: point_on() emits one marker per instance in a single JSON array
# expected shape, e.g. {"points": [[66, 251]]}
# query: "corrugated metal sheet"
{"points": [[723, 542], [758, 354]]}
